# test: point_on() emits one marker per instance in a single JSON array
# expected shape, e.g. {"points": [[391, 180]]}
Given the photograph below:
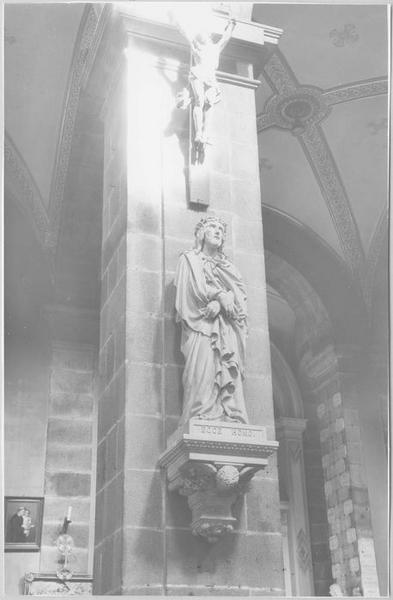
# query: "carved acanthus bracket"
{"points": [[211, 490], [211, 464]]}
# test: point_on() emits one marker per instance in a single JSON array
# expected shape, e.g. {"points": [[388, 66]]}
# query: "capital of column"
{"points": [[250, 41], [151, 27], [141, 18]]}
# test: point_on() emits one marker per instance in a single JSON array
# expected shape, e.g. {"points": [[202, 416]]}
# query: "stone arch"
{"points": [[20, 187], [313, 339], [313, 328], [295, 522], [286, 394], [328, 374], [307, 255]]}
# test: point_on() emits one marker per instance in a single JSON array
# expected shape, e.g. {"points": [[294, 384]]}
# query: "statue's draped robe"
{"points": [[214, 349]]}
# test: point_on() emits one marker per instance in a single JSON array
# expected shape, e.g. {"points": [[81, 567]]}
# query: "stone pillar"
{"points": [[108, 551], [351, 537], [290, 436], [143, 540], [368, 464], [317, 507]]}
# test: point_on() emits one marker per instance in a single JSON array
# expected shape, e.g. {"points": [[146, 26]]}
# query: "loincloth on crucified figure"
{"points": [[203, 91], [212, 93], [206, 77]]}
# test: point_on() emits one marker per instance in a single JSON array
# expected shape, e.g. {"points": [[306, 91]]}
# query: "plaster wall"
{"points": [[26, 392]]}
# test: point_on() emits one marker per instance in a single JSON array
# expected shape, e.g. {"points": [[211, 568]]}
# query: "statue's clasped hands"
{"points": [[227, 303], [212, 309], [224, 302]]}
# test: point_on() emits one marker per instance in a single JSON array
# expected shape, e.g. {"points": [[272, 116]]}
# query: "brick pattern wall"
{"points": [[69, 455]]}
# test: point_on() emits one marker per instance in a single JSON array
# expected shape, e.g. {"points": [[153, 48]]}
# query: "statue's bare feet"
{"points": [[199, 140], [199, 150]]}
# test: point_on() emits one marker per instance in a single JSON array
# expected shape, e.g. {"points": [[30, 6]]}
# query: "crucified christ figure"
{"points": [[202, 78]]}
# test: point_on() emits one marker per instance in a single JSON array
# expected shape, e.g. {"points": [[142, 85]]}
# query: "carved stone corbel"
{"points": [[211, 463]]}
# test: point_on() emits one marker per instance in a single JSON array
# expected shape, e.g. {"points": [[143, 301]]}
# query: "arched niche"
{"points": [[325, 274], [295, 527], [304, 509], [334, 376], [286, 393]]}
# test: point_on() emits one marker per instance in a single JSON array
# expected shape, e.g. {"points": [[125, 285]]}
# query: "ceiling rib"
{"points": [[321, 160], [356, 90], [83, 43], [378, 243], [300, 109], [20, 182]]}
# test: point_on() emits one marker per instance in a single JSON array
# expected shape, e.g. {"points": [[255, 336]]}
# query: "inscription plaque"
{"points": [[227, 432]]}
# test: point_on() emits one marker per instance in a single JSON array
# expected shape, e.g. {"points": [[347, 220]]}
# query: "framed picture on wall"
{"points": [[23, 523]]}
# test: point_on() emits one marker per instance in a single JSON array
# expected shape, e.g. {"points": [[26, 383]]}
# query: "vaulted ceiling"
{"points": [[322, 120], [39, 46]]}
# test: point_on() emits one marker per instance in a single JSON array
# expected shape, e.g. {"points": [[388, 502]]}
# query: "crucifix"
{"points": [[202, 94]]}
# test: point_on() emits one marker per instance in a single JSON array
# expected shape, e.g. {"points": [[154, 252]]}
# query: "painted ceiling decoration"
{"points": [[356, 90], [299, 109], [344, 36], [327, 174]]}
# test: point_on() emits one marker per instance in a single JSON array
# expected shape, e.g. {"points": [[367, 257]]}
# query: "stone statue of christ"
{"points": [[212, 309]]}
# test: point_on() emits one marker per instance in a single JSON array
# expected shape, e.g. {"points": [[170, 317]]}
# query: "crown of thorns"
{"points": [[206, 220]]}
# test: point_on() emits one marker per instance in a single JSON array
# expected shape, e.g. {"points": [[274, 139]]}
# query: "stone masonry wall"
{"points": [[112, 372], [345, 488], [69, 456], [351, 540], [249, 561], [319, 529]]}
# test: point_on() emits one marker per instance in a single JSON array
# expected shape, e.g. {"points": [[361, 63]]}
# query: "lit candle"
{"points": [[69, 513]]}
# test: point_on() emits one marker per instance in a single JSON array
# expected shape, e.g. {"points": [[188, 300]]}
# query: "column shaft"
{"points": [[143, 541]]}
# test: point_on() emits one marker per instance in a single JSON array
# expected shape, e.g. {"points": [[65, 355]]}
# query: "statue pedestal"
{"points": [[212, 463]]}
